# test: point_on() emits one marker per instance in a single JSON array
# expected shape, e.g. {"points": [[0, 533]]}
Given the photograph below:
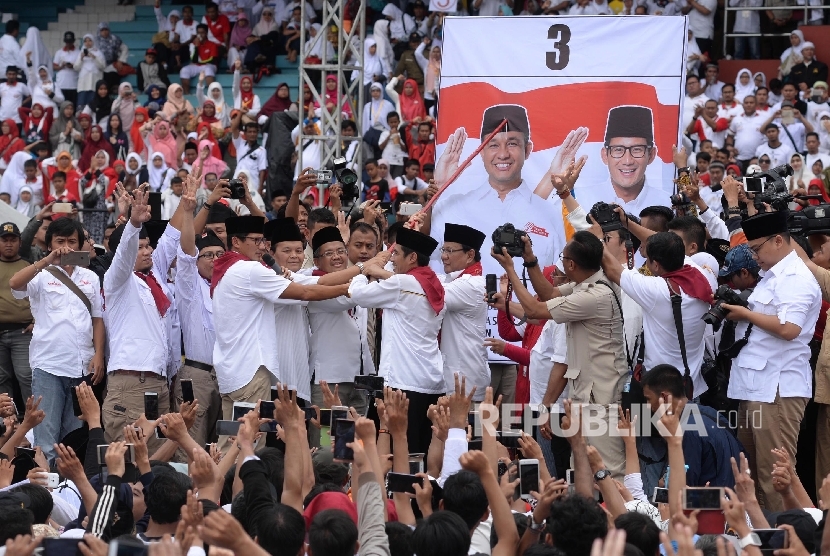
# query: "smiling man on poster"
{"points": [[506, 197], [627, 151]]}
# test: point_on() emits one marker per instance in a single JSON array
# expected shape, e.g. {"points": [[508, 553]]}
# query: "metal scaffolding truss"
{"points": [[349, 58]]}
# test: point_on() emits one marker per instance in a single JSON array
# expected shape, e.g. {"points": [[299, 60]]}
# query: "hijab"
{"points": [[15, 176], [63, 162], [100, 106], [135, 129], [794, 51], [816, 182], [166, 145], [433, 73], [397, 26], [240, 33], [275, 103], [372, 64], [412, 106], [157, 176], [763, 78], [381, 38], [12, 137], [319, 45], [375, 111], [246, 98], [174, 105], [40, 54], [331, 97], [792, 181], [208, 119], [91, 148], [162, 95], [25, 207], [41, 89], [264, 27], [741, 91], [126, 107], [59, 124], [222, 108], [108, 46], [137, 158], [211, 163]]}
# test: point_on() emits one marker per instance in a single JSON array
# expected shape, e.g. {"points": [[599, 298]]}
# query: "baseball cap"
{"points": [[737, 258], [151, 51], [415, 37], [9, 229], [69, 36]]}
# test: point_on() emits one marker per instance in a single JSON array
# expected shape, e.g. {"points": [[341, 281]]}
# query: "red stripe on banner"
{"points": [[555, 111]]}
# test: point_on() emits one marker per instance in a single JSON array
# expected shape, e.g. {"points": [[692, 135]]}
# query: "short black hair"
{"points": [[812, 133], [574, 523], [692, 228], [585, 249], [392, 231], [664, 215], [640, 530], [250, 125], [762, 88], [64, 227], [360, 226], [202, 25], [348, 124], [464, 495], [703, 156], [429, 167], [667, 249], [725, 85], [442, 534], [191, 145], [274, 461], [400, 538], [664, 378], [59, 174], [280, 529], [370, 161], [16, 521], [423, 260], [333, 533], [31, 163], [688, 78], [12, 25], [393, 114], [320, 215], [413, 162], [177, 179], [725, 151], [42, 503], [428, 124], [165, 496]]}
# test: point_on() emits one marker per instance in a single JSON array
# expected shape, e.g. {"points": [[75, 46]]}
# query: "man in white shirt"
{"points": [[9, 47], [779, 153], [410, 187], [194, 269], [465, 323], [245, 292], [793, 133], [708, 124], [68, 338], [772, 375], [66, 76], [413, 306], [746, 128], [712, 86], [813, 153], [250, 155], [818, 102], [694, 98], [186, 27], [12, 95], [728, 107]]}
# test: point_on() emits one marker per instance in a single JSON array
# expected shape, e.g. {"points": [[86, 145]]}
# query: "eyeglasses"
{"points": [[210, 255], [763, 161], [448, 251], [257, 240], [637, 151], [330, 254], [562, 257], [756, 250]]}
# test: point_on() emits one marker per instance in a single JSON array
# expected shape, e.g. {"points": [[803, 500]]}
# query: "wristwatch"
{"points": [[542, 409], [531, 264], [360, 266], [533, 526], [601, 474], [751, 539]]}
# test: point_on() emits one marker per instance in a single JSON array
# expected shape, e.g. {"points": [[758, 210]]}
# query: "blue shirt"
{"points": [[707, 456]]}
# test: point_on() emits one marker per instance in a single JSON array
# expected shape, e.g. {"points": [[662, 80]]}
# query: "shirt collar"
{"points": [[784, 266], [522, 191]]}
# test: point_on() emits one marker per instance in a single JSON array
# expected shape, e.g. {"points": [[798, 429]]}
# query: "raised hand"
{"points": [[460, 403], [448, 162], [141, 206], [679, 156], [566, 154]]}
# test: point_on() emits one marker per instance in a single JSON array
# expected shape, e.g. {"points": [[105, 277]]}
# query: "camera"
{"points": [[724, 294], [237, 189], [810, 220], [509, 238], [323, 177], [775, 192], [347, 179], [606, 216]]}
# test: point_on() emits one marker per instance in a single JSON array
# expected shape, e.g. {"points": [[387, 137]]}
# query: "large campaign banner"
{"points": [[604, 88]]}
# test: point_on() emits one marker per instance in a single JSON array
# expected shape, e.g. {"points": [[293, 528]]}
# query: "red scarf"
{"points": [[222, 265], [691, 282], [472, 270], [432, 286], [162, 302], [247, 98], [318, 272]]}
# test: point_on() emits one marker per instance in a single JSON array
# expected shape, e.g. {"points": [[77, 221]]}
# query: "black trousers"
{"points": [[419, 431]]}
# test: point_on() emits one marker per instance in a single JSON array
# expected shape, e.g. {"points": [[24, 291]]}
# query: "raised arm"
{"points": [[123, 261]]}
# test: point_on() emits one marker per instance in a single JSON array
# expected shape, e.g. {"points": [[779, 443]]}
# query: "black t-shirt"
{"points": [[376, 191]]}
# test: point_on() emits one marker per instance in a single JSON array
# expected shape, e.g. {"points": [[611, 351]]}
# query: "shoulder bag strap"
{"points": [[787, 131], [622, 317], [71, 285], [676, 300]]}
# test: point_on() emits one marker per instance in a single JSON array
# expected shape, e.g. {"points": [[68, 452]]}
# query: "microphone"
{"points": [[271, 263]]}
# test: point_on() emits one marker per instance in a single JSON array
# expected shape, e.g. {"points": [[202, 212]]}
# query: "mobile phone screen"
{"points": [[401, 482], [151, 406], [266, 409], [187, 390], [325, 417], [529, 478], [343, 435]]}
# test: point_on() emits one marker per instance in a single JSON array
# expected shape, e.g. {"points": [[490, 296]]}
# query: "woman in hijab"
{"points": [[796, 180], [34, 51], [208, 162], [117, 137], [161, 140], [96, 185], [125, 105], [816, 187], [36, 123], [65, 133], [10, 142], [381, 37], [759, 79], [410, 105], [85, 121], [25, 203], [42, 86], [101, 104], [432, 75], [239, 38], [331, 97], [90, 67], [792, 55], [263, 42], [63, 163], [208, 121], [134, 166], [176, 102], [374, 70], [156, 94], [376, 110], [15, 177], [267, 23], [400, 24], [244, 97], [318, 47], [142, 116], [96, 142], [280, 101], [744, 85], [217, 96], [158, 173]]}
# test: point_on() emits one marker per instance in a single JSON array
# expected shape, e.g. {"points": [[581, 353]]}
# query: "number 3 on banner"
{"points": [[558, 59]]}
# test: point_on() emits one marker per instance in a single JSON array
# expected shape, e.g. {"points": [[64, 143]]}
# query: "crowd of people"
{"points": [[197, 358]]}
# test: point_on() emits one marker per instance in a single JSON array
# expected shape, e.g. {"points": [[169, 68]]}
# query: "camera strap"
{"points": [[622, 317], [507, 299], [787, 131], [676, 301], [629, 255], [71, 285]]}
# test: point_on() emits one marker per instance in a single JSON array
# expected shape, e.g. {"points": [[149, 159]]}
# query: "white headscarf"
{"points": [[319, 44], [741, 91], [222, 109], [375, 111], [25, 207], [40, 54], [14, 177], [794, 51], [372, 63], [381, 36], [397, 26], [792, 181], [137, 158], [157, 178]]}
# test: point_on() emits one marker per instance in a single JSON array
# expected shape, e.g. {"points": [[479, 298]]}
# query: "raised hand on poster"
{"points": [[565, 155], [448, 163]]}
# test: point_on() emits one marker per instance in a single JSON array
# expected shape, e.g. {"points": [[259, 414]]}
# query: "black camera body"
{"points": [[509, 238], [725, 294], [606, 216], [347, 179], [237, 189], [776, 193], [810, 220]]}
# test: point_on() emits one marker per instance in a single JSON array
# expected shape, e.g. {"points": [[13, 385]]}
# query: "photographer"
{"points": [[771, 375], [710, 216], [590, 307]]}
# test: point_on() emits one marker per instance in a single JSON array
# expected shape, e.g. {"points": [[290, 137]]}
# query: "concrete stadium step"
{"points": [[143, 13]]}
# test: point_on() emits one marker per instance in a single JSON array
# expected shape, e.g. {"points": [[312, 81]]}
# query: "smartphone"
{"points": [[64, 208], [325, 417], [75, 258], [52, 480], [660, 496], [528, 477], [159, 434], [754, 185], [76, 404], [401, 482], [125, 546], [311, 413], [187, 390], [129, 455], [227, 428], [208, 446], [151, 405], [569, 476], [339, 412], [60, 547], [491, 286], [274, 393], [24, 451], [702, 498], [474, 444], [472, 417], [371, 383], [343, 435], [772, 540], [502, 468], [416, 464], [408, 209], [266, 409], [241, 409], [510, 438]]}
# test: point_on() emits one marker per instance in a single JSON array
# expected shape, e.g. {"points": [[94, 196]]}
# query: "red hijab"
{"points": [[247, 98], [135, 130], [275, 103], [412, 106], [817, 183], [91, 147], [11, 143]]}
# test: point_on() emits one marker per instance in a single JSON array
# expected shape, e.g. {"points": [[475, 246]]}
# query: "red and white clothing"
{"points": [[218, 30], [716, 135], [747, 133], [730, 110]]}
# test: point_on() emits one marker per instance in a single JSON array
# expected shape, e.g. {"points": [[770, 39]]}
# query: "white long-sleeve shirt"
{"points": [[11, 98], [293, 337], [90, 69], [195, 309], [410, 358], [66, 78], [338, 344]]}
